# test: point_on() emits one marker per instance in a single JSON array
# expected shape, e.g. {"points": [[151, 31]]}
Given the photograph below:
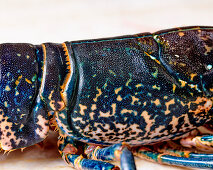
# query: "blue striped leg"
{"points": [[70, 151], [184, 153], [202, 143], [178, 158], [115, 152]]}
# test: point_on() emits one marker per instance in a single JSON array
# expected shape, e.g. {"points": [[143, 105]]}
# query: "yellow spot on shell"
{"points": [[181, 34], [134, 99], [7, 88], [172, 101], [22, 115], [193, 86], [119, 98], [129, 111], [97, 95], [94, 107], [21, 126], [128, 81], [208, 49], [192, 75], [16, 93], [156, 87], [28, 81], [82, 109], [5, 104], [117, 90], [18, 80], [62, 115], [182, 64], [173, 87], [138, 85], [183, 83], [113, 108], [106, 114], [18, 54], [156, 102], [91, 115]]}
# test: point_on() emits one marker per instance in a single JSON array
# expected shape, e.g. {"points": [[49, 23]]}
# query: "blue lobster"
{"points": [[113, 98]]}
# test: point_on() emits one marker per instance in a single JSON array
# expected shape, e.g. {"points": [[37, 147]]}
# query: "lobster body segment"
{"points": [[20, 123], [139, 89]]}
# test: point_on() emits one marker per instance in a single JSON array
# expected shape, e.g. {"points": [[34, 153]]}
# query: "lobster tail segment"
{"points": [[20, 124], [57, 82], [36, 84]]}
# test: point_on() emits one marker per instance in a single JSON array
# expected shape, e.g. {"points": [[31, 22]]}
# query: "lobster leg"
{"points": [[193, 160], [183, 153], [189, 154], [114, 152], [71, 153], [203, 143]]}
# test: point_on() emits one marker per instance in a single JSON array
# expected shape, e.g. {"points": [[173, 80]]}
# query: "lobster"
{"points": [[148, 95]]}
